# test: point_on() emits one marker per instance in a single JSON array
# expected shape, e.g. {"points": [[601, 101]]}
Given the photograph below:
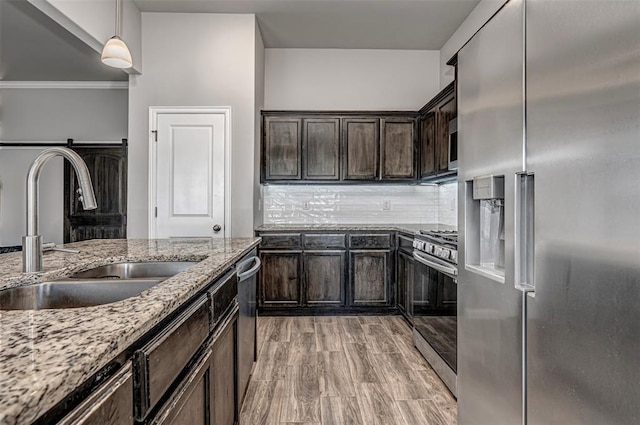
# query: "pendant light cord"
{"points": [[118, 17]]}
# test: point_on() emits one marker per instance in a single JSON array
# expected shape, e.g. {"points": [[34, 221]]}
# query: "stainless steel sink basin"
{"points": [[158, 269], [97, 286], [72, 293]]}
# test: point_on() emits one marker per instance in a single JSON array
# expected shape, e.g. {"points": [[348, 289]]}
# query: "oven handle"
{"points": [[436, 264]]}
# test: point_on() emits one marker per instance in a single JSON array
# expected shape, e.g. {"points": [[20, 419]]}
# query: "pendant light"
{"points": [[115, 52]]}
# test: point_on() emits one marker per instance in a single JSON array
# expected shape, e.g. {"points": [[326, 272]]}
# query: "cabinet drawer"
{"points": [[320, 241], [158, 363], [221, 296], [281, 240], [370, 241], [111, 404]]}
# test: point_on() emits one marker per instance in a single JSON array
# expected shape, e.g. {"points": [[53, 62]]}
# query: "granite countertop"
{"points": [[46, 354], [404, 228]]}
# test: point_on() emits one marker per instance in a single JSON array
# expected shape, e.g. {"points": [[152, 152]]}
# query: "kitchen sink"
{"points": [[72, 293], [157, 269], [97, 286]]}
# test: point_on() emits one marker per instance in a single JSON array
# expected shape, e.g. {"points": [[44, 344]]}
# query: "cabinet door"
{"points": [[405, 268], [321, 149], [370, 277], [398, 146], [446, 112], [428, 145], [361, 143], [324, 278], [189, 404], [223, 378], [280, 278], [111, 404], [282, 150]]}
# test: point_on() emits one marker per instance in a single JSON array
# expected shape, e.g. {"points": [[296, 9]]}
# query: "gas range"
{"points": [[439, 243]]}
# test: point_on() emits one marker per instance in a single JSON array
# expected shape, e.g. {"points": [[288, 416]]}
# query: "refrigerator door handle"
{"points": [[524, 231]]}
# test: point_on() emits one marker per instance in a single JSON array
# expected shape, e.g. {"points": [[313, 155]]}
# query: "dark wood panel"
{"points": [[362, 241], [324, 278], [108, 170], [369, 277], [281, 240], [111, 404], [280, 278], [404, 283], [223, 380], [189, 403], [398, 147], [159, 362], [446, 112], [222, 297], [321, 149], [428, 145], [361, 141], [282, 148], [320, 241]]}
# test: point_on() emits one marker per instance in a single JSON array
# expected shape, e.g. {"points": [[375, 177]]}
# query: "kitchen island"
{"points": [[46, 355]]}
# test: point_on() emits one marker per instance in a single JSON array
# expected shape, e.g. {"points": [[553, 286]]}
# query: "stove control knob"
{"points": [[454, 256], [437, 251], [445, 253]]}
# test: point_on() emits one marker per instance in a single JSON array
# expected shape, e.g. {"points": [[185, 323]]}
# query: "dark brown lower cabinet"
{"points": [[404, 282], [112, 404], [370, 277], [223, 377], [189, 404], [280, 278], [207, 395], [324, 279]]}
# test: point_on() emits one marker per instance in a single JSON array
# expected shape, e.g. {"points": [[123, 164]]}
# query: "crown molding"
{"points": [[108, 85]]}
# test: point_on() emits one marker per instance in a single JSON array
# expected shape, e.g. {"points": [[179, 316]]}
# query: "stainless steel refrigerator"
{"points": [[549, 216]]}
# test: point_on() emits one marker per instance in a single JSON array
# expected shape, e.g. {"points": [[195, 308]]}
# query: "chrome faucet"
{"points": [[32, 242]]}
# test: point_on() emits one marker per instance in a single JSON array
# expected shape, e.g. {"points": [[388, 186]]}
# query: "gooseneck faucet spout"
{"points": [[32, 242]]}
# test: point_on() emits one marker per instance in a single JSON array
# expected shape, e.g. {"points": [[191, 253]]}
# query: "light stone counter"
{"points": [[46, 354]]}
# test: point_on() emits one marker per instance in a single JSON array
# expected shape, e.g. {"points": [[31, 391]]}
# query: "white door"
{"points": [[190, 175]]}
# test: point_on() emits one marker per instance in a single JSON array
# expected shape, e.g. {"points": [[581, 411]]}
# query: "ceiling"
{"points": [[33, 47], [340, 24]]}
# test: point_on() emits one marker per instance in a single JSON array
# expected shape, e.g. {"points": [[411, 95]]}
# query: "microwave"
{"points": [[453, 144]]}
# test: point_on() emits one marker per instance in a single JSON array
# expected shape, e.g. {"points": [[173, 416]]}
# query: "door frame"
{"points": [[154, 111]]}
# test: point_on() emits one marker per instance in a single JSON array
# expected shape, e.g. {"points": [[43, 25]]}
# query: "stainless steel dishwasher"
{"points": [[247, 291]]}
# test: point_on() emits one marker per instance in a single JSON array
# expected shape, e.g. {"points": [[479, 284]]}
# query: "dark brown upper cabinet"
{"points": [[398, 148], [282, 149], [360, 142], [428, 145], [321, 148], [434, 134]]}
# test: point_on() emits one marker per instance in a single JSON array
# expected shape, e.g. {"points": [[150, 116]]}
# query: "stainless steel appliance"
{"points": [[549, 115], [248, 269], [453, 144], [435, 301]]}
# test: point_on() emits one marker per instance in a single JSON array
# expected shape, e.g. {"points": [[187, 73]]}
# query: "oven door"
{"points": [[435, 305]]}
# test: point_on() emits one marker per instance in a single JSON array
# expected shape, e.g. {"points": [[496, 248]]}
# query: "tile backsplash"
{"points": [[326, 204], [448, 204]]}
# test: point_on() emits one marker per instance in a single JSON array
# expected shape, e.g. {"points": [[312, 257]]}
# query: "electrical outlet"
{"points": [[386, 205], [452, 204], [306, 206]]}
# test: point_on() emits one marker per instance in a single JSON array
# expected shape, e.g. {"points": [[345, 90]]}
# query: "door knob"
{"points": [[217, 228]]}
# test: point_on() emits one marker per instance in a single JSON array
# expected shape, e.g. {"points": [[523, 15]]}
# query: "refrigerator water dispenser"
{"points": [[485, 226]]}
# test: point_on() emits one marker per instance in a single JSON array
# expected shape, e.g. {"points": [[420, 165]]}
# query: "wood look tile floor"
{"points": [[347, 370]]}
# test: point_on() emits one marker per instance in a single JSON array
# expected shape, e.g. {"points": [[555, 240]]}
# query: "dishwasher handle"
{"points": [[246, 274]]}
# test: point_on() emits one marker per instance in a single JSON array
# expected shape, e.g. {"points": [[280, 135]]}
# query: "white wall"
{"points": [[324, 79], [93, 21], [14, 164], [259, 105], [55, 114], [476, 19], [195, 60]]}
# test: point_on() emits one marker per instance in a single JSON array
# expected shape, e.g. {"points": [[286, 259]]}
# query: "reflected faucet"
{"points": [[32, 242]]}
